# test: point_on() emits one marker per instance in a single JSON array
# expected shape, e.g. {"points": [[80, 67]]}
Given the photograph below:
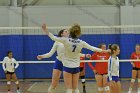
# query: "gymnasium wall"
{"points": [[59, 15], [4, 16], [67, 15], [27, 47]]}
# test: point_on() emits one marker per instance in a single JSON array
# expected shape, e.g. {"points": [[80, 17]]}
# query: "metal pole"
{"points": [[15, 3], [71, 2]]}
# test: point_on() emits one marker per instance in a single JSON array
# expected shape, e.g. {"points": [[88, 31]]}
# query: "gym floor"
{"points": [[41, 86]]}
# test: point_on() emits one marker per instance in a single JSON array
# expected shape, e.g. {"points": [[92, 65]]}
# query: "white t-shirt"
{"points": [[113, 67], [72, 50], [9, 64]]}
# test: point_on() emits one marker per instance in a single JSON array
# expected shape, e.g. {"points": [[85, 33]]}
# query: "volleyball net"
{"points": [[28, 42]]}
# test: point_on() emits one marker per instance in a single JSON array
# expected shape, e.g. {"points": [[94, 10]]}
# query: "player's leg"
{"points": [[113, 86], [134, 74], [138, 81], [14, 77], [82, 77], [68, 79], [105, 84], [99, 79], [75, 82], [8, 77], [119, 87], [117, 84], [55, 79], [58, 67]]}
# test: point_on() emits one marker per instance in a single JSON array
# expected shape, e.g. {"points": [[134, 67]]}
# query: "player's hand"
{"points": [[39, 57], [82, 72], [133, 65], [88, 55], [44, 27], [95, 72]]}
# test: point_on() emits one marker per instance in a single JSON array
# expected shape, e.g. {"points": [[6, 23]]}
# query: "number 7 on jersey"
{"points": [[74, 48]]}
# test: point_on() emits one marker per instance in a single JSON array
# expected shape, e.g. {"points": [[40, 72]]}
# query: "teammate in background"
{"points": [[101, 69], [136, 68], [82, 71], [9, 69], [71, 59], [113, 70], [58, 66]]}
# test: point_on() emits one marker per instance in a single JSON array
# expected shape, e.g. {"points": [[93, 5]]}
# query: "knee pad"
{"points": [[17, 82], [138, 80], [107, 88], [100, 89], [68, 90], [83, 80], [8, 82], [76, 90], [132, 80], [51, 90]]}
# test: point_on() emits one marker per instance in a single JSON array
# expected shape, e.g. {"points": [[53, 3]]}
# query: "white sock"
{"points": [[68, 90], [130, 90], [138, 90], [51, 90], [76, 90]]}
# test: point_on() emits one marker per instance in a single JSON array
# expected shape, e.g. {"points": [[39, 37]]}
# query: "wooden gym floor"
{"points": [[39, 86]]}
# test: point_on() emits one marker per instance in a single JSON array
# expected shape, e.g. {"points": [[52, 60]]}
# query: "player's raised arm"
{"points": [[54, 38], [44, 28]]}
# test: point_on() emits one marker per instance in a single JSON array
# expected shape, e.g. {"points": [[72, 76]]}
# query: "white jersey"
{"points": [[113, 67], [9, 64], [72, 50], [57, 46]]}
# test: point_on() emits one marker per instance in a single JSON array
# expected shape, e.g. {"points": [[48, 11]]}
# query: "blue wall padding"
{"points": [[27, 47]]}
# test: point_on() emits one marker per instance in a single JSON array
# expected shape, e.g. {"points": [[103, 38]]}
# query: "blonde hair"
{"points": [[75, 31]]}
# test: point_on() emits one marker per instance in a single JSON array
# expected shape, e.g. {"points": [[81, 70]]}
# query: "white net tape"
{"points": [[59, 27], [85, 29]]}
